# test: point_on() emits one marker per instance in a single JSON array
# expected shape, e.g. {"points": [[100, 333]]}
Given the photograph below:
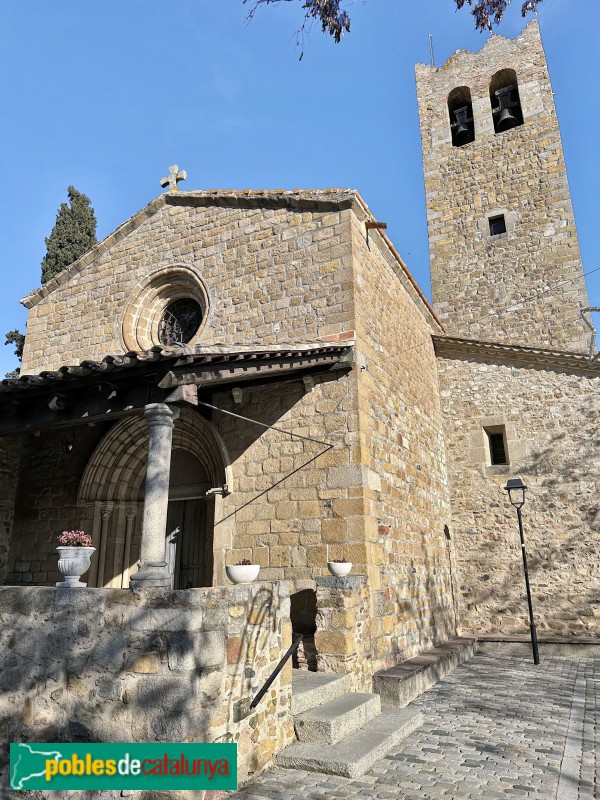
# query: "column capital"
{"points": [[160, 414]]}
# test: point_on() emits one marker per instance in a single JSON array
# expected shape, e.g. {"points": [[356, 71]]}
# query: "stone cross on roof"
{"points": [[173, 178]]}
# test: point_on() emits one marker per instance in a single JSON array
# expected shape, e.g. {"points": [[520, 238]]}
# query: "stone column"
{"points": [[129, 526], [106, 514], [153, 565]]}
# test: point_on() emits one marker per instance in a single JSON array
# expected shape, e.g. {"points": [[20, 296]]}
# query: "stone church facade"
{"points": [[259, 377]]}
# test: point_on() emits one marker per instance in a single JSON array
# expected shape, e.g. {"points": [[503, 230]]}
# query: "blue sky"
{"points": [[105, 96]]}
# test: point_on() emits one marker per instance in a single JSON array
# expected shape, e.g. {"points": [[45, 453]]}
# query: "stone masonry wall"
{"points": [[344, 623], [288, 530], [9, 468], [405, 494], [271, 275], [551, 421], [478, 280], [46, 501], [109, 665]]}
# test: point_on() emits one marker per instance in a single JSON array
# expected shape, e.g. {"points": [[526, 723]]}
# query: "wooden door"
{"points": [[187, 557]]}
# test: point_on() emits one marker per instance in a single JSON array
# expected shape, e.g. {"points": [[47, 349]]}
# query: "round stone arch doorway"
{"points": [[111, 492]]}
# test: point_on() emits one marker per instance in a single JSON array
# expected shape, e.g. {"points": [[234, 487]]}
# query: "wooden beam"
{"points": [[239, 372]]}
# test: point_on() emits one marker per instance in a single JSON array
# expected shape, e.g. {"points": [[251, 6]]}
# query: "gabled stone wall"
{"points": [[97, 665], [271, 275]]}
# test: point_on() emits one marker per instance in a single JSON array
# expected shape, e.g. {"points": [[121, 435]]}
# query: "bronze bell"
{"points": [[506, 118], [462, 127]]}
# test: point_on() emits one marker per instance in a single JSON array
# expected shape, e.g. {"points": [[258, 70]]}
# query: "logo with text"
{"points": [[123, 766]]}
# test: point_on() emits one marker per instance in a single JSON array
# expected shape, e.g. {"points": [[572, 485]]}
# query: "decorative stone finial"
{"points": [[172, 179]]}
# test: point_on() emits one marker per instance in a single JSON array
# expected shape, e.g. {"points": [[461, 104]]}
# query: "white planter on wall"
{"points": [[73, 562], [242, 573], [339, 568]]}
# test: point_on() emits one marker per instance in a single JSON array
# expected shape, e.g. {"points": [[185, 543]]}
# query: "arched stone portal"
{"points": [[112, 492]]}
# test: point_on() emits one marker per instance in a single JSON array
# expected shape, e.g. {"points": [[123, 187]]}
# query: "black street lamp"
{"points": [[516, 494]]}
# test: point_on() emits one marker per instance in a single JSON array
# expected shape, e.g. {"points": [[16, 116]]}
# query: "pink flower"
{"points": [[75, 539]]}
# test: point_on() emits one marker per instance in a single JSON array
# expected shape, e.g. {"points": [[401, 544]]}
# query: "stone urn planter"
{"points": [[73, 562], [339, 568], [242, 573]]}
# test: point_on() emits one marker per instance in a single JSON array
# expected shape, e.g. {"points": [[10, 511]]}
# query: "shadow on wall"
{"points": [[422, 603], [561, 518], [101, 665]]}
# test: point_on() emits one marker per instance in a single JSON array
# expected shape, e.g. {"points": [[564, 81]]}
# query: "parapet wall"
{"points": [[101, 665]]}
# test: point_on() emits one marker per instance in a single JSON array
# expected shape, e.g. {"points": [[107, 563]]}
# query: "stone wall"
{"points": [[46, 500], [9, 468], [288, 529], [109, 665], [344, 624], [478, 280], [404, 490], [550, 415], [270, 274]]}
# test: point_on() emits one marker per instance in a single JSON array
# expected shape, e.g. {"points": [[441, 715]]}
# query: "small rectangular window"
{"points": [[497, 448], [497, 225]]}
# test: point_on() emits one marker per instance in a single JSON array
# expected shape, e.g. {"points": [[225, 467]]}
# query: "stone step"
{"points": [[330, 722], [356, 753], [400, 685], [310, 689]]}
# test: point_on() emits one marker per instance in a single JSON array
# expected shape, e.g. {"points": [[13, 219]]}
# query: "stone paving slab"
{"points": [[498, 727]]}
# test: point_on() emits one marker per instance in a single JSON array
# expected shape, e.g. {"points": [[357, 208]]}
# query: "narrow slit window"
{"points": [[497, 443], [497, 225]]}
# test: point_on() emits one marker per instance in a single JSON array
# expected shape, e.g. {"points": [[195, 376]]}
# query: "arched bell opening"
{"points": [[460, 110], [303, 615], [112, 492], [505, 101]]}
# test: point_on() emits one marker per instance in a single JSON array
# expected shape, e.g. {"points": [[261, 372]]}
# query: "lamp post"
{"points": [[516, 494]]}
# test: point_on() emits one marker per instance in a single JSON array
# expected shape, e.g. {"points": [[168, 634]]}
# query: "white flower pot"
{"points": [[73, 562], [242, 573], [339, 569]]}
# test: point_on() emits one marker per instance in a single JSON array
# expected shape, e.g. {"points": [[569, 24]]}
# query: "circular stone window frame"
{"points": [[161, 287]]}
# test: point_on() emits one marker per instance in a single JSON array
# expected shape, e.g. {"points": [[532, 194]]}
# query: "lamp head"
{"points": [[516, 491]]}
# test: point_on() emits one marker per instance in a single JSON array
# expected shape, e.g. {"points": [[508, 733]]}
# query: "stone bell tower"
{"points": [[505, 260]]}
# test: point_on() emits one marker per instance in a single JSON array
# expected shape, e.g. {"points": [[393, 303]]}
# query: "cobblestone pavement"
{"points": [[497, 727]]}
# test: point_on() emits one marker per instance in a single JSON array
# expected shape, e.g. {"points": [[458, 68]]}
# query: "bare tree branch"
{"points": [[331, 14], [334, 18], [490, 12]]}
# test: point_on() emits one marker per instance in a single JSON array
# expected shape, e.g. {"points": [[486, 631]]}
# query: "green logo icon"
{"points": [[123, 766]]}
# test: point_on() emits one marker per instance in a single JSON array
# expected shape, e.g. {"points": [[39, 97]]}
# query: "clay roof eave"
{"points": [[457, 347], [177, 361]]}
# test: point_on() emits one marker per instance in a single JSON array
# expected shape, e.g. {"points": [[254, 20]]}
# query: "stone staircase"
{"points": [[341, 732]]}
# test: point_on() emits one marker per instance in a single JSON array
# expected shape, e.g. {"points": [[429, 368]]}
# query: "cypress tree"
{"points": [[74, 233], [18, 339]]}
